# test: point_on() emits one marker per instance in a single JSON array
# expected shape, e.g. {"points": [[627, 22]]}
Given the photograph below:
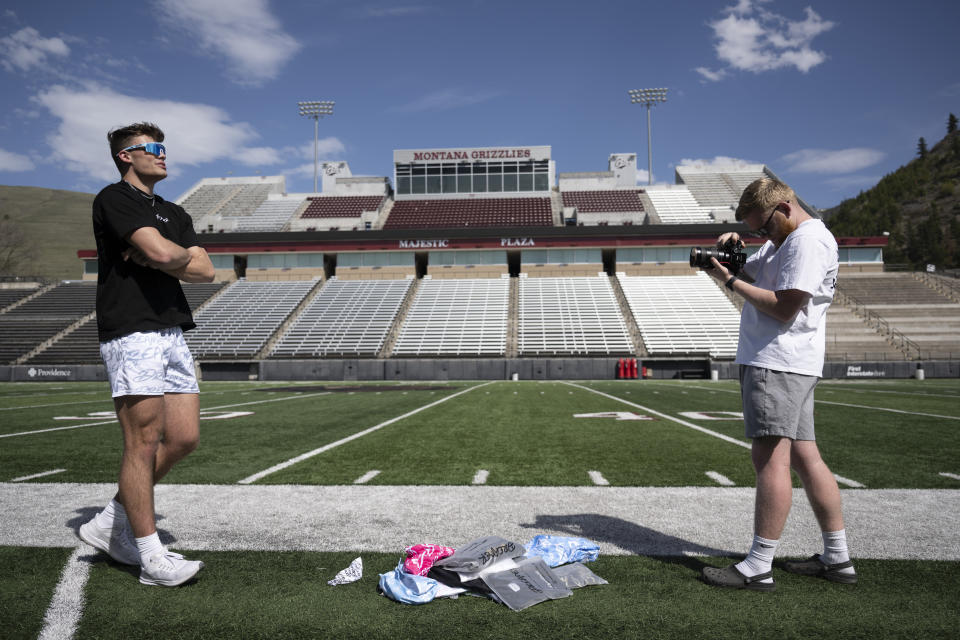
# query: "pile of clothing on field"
{"points": [[516, 575]]}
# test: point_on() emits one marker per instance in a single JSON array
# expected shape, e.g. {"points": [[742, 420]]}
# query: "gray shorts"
{"points": [[777, 403], [149, 363]]}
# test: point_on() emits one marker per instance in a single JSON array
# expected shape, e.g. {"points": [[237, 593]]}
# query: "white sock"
{"points": [[835, 548], [149, 546], [113, 511], [760, 558]]}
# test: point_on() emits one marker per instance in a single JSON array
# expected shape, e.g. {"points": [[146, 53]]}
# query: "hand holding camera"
{"points": [[729, 253]]}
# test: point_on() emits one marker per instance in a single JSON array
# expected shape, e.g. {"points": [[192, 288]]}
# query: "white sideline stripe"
{"points": [[480, 477], [359, 434], [38, 475], [53, 404], [598, 478], [721, 479], [202, 409], [946, 474], [367, 477], [745, 445], [66, 607], [849, 482]]}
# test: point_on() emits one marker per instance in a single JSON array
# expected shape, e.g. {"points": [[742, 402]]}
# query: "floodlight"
{"points": [[316, 109], [648, 98]]}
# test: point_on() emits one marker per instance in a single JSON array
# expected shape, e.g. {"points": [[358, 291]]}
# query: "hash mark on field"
{"points": [[598, 478], [480, 477], [367, 477], [63, 614], [720, 479], [38, 475], [946, 474], [849, 482], [359, 434]]}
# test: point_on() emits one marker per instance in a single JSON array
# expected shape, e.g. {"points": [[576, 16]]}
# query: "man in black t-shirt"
{"points": [[145, 247]]}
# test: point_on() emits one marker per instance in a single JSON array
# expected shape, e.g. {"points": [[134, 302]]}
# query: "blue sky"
{"points": [[830, 95]]}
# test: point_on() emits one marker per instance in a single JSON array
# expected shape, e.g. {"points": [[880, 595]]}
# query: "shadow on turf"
{"points": [[632, 537]]}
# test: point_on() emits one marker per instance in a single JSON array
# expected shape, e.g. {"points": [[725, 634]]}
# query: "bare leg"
{"points": [[181, 431], [819, 483], [141, 419], [771, 459]]}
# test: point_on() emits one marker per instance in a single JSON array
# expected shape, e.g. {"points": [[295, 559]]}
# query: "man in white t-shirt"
{"points": [[780, 353]]}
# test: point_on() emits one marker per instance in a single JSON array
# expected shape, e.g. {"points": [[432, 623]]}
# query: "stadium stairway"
{"points": [[394, 334], [632, 329], [43, 346], [556, 208], [944, 285], [286, 324], [512, 349], [24, 300]]}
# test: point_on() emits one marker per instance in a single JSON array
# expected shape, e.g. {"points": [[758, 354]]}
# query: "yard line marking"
{"points": [[598, 478], [857, 406], [741, 443], [367, 477], [359, 434], [849, 482], [721, 479], [63, 614], [38, 475], [949, 475], [909, 413], [226, 406], [480, 477], [53, 404]]}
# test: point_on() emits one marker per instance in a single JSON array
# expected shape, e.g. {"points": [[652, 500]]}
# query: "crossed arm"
{"points": [[150, 249]]}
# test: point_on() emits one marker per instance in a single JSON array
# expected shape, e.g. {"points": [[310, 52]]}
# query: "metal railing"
{"points": [[909, 348]]}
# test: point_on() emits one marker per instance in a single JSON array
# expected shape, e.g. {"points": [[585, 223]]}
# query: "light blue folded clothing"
{"points": [[558, 550], [406, 587]]}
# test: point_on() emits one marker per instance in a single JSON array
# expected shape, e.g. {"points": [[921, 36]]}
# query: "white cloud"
{"points": [[10, 161], [244, 32], [710, 74], [827, 161], [195, 133], [751, 38], [718, 163], [445, 99], [27, 49]]}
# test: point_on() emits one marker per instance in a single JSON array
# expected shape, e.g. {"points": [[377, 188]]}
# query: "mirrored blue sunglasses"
{"points": [[153, 148]]}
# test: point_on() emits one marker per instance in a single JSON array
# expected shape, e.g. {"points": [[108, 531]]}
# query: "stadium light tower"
{"points": [[648, 97], [316, 109]]}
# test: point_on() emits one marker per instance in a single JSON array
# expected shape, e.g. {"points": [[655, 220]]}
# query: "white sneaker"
{"points": [[116, 542], [169, 569]]}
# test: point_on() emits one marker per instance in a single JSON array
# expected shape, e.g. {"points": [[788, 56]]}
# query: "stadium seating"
{"points": [[240, 321], [82, 345], [719, 188], [456, 318], [347, 318], [10, 296], [25, 327], [208, 198], [889, 288], [271, 215], [570, 316], [682, 315], [474, 212], [612, 200], [676, 205], [340, 206]]}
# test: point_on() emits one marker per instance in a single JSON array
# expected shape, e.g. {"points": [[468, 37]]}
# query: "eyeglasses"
{"points": [[153, 148]]}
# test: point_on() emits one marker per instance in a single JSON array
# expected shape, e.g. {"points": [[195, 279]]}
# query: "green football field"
{"points": [[293, 480]]}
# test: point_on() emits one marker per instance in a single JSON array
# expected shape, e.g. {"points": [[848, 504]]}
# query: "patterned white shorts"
{"points": [[149, 363]]}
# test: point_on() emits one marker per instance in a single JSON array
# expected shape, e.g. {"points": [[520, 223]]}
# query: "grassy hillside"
{"points": [[918, 204], [55, 224]]}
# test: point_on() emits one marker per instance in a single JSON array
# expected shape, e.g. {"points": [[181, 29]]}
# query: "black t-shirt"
{"points": [[131, 297]]}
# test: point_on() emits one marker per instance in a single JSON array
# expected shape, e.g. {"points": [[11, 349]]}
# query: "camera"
{"points": [[731, 256]]}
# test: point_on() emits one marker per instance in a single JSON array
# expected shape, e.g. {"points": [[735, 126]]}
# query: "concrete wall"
{"points": [[447, 271]]}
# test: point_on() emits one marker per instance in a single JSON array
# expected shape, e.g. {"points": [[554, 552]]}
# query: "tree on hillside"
{"points": [[14, 250], [951, 123], [922, 149]]}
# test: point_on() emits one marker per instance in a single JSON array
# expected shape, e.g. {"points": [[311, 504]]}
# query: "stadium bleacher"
{"points": [[340, 206], [676, 205], [240, 321], [719, 187], [682, 315], [606, 201], [570, 316], [27, 326], [346, 318], [475, 212], [11, 296], [457, 318]]}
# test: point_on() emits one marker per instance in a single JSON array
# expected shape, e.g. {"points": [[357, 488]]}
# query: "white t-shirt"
{"points": [[808, 261]]}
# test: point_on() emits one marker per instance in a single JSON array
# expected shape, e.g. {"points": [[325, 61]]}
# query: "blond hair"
{"points": [[763, 194]]}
